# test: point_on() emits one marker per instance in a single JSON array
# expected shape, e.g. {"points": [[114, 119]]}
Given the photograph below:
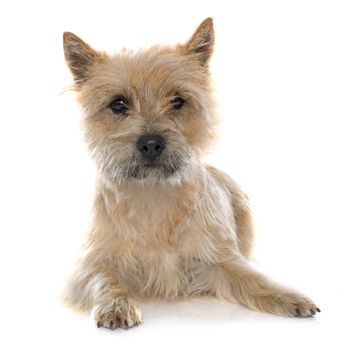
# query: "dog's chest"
{"points": [[149, 215], [152, 272], [160, 240], [144, 248]]}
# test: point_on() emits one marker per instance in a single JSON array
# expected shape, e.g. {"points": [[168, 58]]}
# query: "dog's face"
{"points": [[148, 114]]}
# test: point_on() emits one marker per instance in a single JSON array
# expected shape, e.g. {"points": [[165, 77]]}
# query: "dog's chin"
{"points": [[153, 171], [161, 171], [154, 174]]}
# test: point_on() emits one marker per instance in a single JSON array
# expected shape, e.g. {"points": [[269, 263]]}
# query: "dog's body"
{"points": [[165, 225]]}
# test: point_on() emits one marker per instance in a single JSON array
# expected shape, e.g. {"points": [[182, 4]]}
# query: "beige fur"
{"points": [[177, 229]]}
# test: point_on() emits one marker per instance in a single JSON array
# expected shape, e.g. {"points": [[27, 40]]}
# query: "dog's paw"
{"points": [[119, 313], [290, 304]]}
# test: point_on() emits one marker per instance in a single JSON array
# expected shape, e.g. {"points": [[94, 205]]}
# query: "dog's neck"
{"points": [[152, 190], [152, 211], [163, 196]]}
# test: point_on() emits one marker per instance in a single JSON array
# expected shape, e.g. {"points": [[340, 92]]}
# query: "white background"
{"points": [[282, 74]]}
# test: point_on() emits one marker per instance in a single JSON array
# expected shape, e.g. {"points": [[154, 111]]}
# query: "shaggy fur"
{"points": [[170, 228]]}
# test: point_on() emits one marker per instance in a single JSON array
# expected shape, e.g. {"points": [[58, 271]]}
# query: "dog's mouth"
{"points": [[173, 167], [152, 169]]}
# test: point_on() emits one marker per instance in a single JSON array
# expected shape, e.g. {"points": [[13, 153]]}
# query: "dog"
{"points": [[164, 225]]}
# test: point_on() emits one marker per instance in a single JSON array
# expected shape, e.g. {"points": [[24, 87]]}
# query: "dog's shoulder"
{"points": [[225, 180]]}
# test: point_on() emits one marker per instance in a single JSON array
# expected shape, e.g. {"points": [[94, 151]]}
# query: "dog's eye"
{"points": [[177, 102], [119, 105]]}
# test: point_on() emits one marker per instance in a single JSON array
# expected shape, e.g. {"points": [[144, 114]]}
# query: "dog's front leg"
{"points": [[112, 305], [95, 285], [253, 289]]}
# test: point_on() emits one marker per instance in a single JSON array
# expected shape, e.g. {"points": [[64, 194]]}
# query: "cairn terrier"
{"points": [[165, 225]]}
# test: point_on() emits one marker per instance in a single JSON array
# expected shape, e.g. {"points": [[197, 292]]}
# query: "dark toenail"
{"points": [[298, 312], [312, 312], [318, 310], [126, 324], [98, 324], [111, 325]]}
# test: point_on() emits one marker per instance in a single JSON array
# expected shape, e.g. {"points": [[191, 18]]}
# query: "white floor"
{"points": [[194, 324]]}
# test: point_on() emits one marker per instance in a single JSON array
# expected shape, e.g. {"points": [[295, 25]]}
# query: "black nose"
{"points": [[151, 146]]}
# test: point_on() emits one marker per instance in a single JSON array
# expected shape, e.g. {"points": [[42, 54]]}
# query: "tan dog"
{"points": [[165, 225]]}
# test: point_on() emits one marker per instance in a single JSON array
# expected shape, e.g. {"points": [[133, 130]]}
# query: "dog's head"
{"points": [[148, 114]]}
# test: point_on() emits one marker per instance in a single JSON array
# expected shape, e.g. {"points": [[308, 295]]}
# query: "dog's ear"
{"points": [[201, 44], [79, 56]]}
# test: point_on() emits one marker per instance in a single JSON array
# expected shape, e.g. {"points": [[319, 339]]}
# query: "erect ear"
{"points": [[79, 56], [201, 44]]}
